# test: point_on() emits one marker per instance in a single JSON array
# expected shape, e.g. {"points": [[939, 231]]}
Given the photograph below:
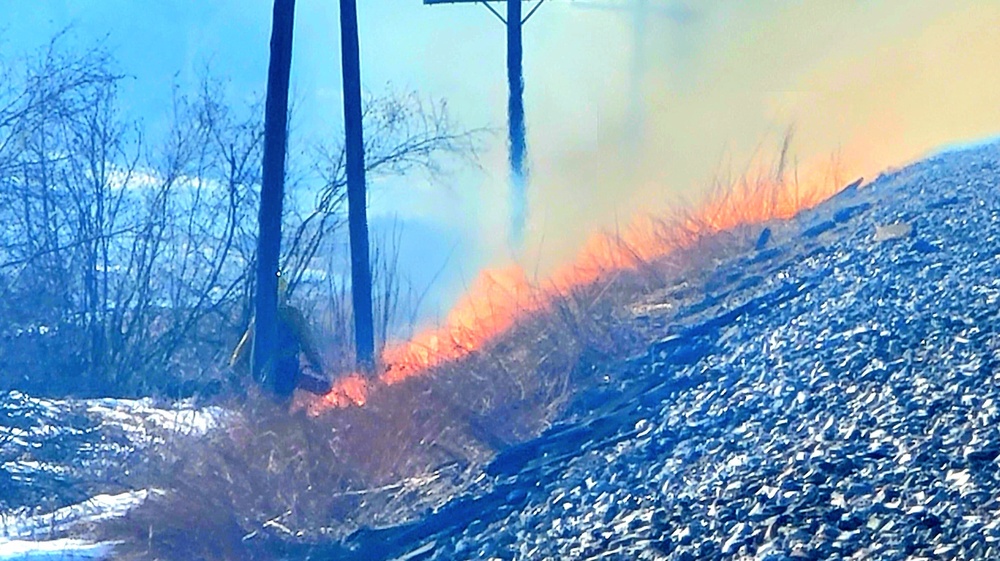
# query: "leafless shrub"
{"points": [[126, 260], [118, 251], [404, 134]]}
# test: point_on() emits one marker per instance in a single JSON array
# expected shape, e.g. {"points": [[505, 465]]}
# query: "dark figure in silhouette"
{"points": [[296, 352]]}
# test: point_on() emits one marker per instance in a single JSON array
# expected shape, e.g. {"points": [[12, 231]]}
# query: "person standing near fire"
{"points": [[296, 349]]}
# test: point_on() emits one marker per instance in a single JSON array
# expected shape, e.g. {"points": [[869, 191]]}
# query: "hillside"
{"points": [[831, 393], [823, 387]]}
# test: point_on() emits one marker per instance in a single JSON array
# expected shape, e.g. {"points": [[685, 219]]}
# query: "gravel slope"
{"points": [[831, 394]]}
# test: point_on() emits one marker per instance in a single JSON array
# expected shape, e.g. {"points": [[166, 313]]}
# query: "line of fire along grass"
{"points": [[523, 470], [519, 471]]}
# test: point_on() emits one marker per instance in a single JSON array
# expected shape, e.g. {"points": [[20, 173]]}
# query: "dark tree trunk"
{"points": [[271, 195], [361, 278], [515, 121]]}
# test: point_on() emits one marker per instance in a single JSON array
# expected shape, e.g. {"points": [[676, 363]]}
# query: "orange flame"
{"points": [[500, 297], [492, 305]]}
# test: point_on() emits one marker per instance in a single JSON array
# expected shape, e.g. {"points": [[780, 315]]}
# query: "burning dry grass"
{"points": [[502, 298], [507, 366]]}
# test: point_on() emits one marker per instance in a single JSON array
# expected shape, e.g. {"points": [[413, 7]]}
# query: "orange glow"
{"points": [[349, 391], [500, 297], [862, 80], [492, 305]]}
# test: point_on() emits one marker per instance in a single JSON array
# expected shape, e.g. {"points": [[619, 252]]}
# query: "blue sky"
{"points": [[452, 52], [875, 84]]}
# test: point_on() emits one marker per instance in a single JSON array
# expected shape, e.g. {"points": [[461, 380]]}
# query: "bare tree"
{"points": [[406, 135], [126, 263], [112, 259]]}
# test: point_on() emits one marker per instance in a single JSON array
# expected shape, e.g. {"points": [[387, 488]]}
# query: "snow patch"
{"points": [[137, 414], [62, 549], [53, 524]]}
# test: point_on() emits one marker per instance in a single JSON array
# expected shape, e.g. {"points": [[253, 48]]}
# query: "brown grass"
{"points": [[275, 482]]}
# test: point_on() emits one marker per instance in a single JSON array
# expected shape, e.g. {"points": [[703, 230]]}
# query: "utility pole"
{"points": [[516, 128], [357, 198], [271, 198]]}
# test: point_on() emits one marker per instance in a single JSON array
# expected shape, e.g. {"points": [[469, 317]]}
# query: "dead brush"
{"points": [[271, 482], [274, 483]]}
